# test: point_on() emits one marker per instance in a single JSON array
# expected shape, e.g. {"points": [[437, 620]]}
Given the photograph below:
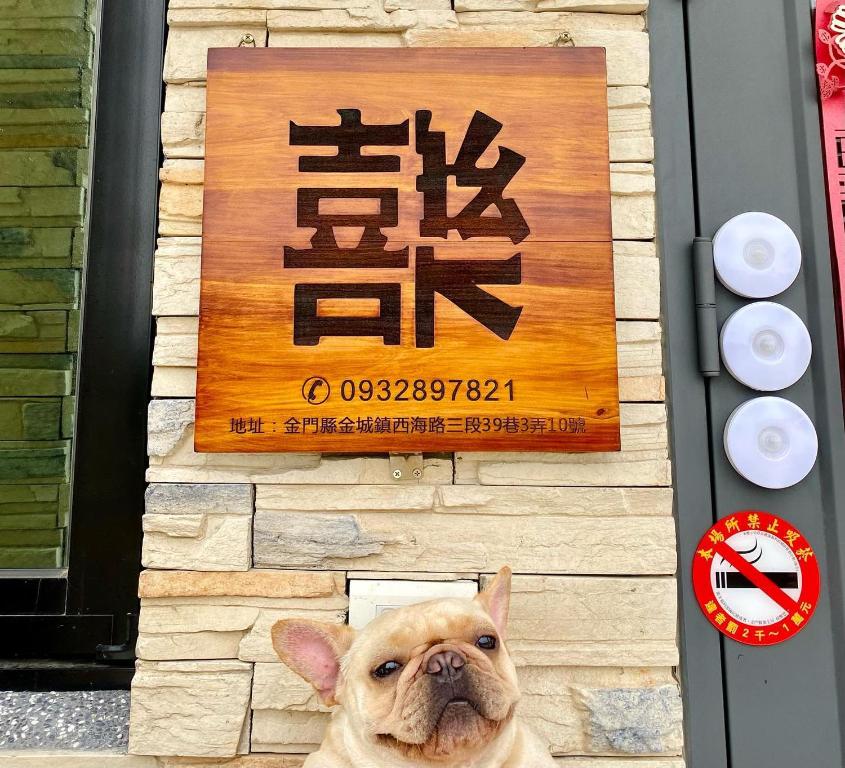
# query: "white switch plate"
{"points": [[368, 598]]}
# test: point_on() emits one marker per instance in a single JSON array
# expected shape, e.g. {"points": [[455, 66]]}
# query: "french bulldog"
{"points": [[423, 686]]}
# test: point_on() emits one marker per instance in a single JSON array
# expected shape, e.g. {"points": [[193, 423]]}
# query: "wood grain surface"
{"points": [[395, 243]]}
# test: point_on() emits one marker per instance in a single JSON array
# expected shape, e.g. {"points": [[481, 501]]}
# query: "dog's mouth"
{"points": [[456, 704], [457, 725]]}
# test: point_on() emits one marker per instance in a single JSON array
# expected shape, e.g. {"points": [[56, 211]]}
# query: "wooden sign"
{"points": [[407, 250]]}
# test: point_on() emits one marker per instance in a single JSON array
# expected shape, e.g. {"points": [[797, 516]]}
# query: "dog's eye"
{"points": [[486, 642], [387, 669]]}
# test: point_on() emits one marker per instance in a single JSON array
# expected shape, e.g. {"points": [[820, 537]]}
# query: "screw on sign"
{"points": [[756, 578]]}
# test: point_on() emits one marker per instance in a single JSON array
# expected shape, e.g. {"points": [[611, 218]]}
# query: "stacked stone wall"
{"points": [[46, 57], [234, 542]]}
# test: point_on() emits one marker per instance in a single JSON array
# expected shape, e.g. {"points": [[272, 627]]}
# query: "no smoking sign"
{"points": [[756, 578]]}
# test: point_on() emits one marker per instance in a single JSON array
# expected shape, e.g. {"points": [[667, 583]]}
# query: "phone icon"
{"points": [[316, 390]]}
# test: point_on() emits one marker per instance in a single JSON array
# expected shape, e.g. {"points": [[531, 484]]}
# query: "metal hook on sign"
{"points": [[564, 40], [247, 41]]}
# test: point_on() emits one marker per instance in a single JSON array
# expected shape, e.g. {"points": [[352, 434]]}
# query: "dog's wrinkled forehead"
{"points": [[423, 624]]}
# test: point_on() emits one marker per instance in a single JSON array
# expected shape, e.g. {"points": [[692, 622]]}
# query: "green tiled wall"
{"points": [[46, 54]]}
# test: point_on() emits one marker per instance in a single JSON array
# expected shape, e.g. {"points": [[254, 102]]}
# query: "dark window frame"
{"points": [[79, 631]]}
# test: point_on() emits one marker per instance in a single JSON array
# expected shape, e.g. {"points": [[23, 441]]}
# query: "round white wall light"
{"points": [[766, 346], [756, 255], [771, 442]]}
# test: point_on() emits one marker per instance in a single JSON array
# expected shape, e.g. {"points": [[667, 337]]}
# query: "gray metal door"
{"points": [[737, 129]]}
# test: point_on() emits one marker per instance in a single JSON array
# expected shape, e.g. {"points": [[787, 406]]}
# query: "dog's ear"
{"points": [[496, 600], [313, 650]]}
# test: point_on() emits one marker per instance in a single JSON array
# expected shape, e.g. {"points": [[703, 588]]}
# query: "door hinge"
{"points": [[704, 276]]}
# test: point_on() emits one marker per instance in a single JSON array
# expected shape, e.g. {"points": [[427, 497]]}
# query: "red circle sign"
{"points": [[756, 578]]}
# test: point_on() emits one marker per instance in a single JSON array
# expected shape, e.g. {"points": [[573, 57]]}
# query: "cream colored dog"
{"points": [[421, 686]]}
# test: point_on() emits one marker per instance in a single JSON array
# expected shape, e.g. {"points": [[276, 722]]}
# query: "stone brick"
{"points": [[176, 382], [200, 527], [45, 759], [297, 39], [634, 217], [253, 583], [417, 5], [617, 762], [48, 206], [288, 731], [176, 342], [26, 522], [167, 425], [38, 331], [632, 179], [35, 375], [600, 6], [28, 500], [39, 128], [236, 624], [185, 97], [637, 287], [68, 416], [258, 761], [44, 9], [575, 23], [73, 318], [30, 557], [353, 19], [38, 289], [32, 95], [287, 714], [640, 353], [629, 119], [34, 463], [41, 537], [180, 209], [176, 289], [622, 248], [196, 709], [187, 499], [183, 134], [25, 419], [182, 171], [628, 97], [39, 168], [277, 5], [603, 711], [631, 149], [53, 43], [634, 721], [27, 247], [495, 5]]}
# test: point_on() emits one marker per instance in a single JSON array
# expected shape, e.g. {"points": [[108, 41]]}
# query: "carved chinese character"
{"points": [[432, 182], [349, 137], [458, 281]]}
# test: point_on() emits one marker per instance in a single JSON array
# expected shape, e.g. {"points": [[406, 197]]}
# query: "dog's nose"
{"points": [[446, 666]]}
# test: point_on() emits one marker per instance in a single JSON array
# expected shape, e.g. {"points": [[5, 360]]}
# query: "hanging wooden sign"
{"points": [[407, 250]]}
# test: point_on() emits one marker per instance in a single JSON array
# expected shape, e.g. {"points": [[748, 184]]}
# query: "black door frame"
{"points": [[88, 620]]}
